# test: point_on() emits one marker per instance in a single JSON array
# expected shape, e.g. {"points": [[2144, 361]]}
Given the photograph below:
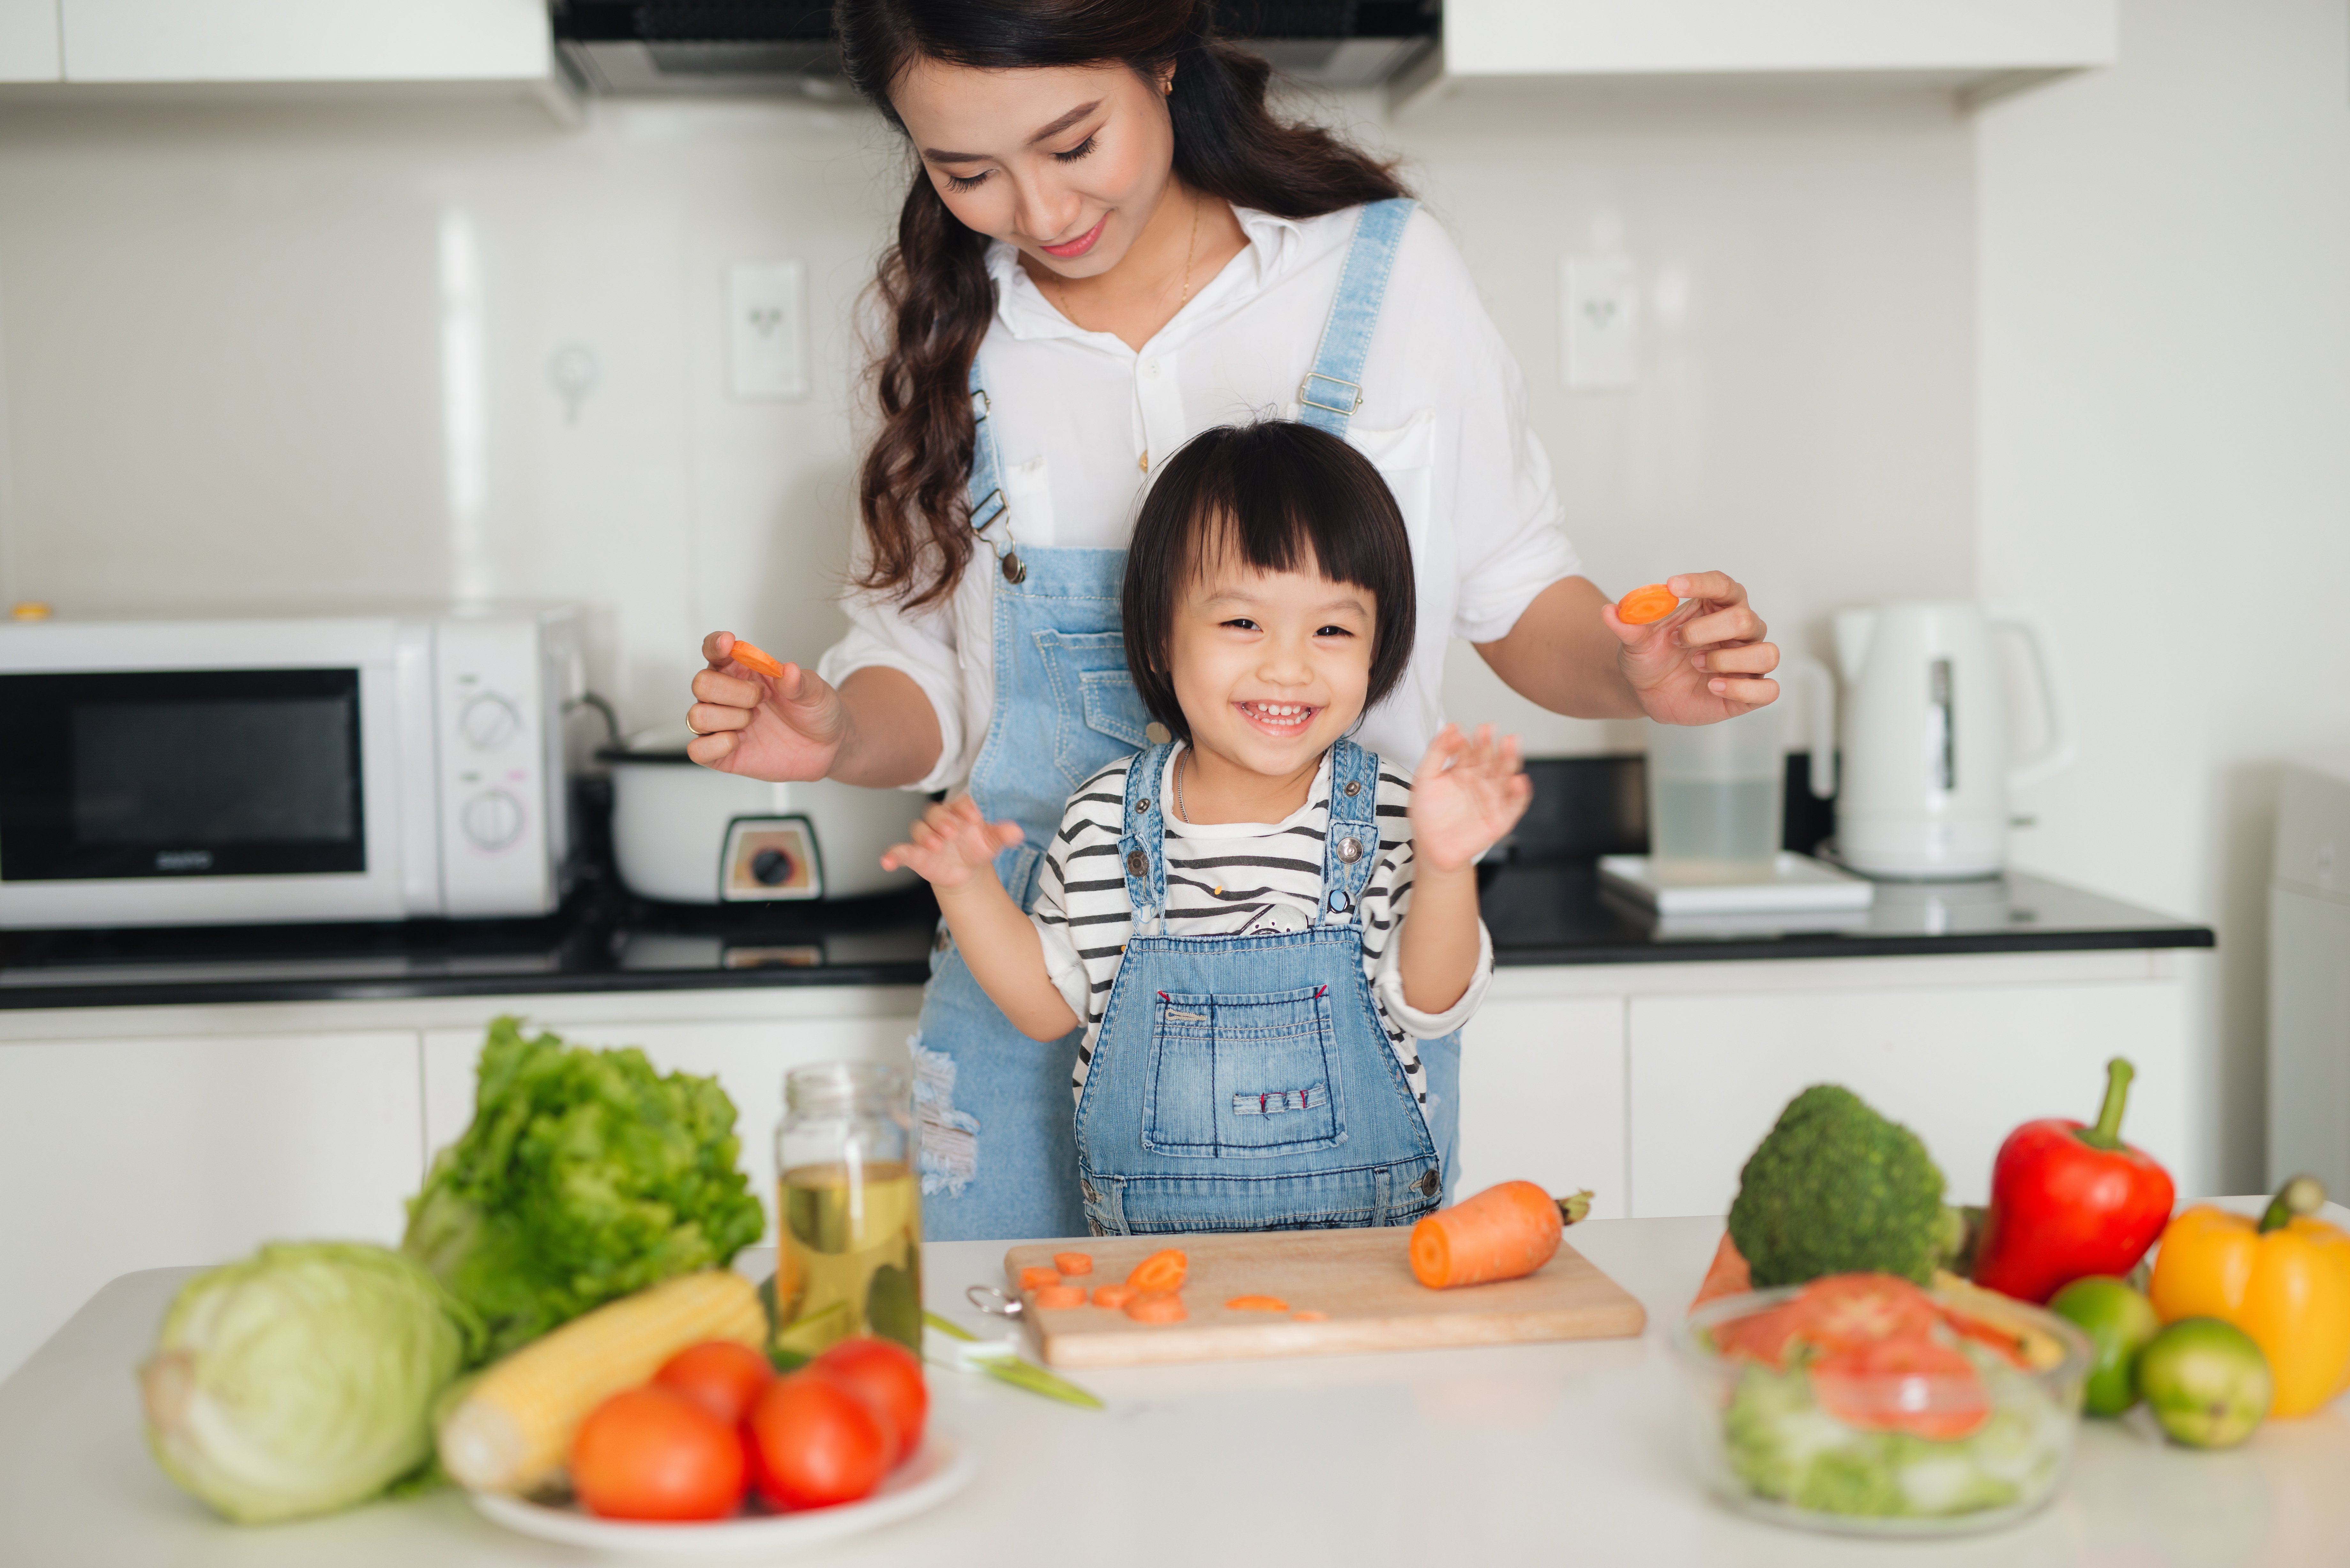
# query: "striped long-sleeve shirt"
{"points": [[1230, 879]]}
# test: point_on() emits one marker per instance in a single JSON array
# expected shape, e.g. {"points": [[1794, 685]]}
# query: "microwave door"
{"points": [[181, 775]]}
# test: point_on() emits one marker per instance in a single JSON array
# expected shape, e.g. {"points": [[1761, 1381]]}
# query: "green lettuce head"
{"points": [[301, 1379], [585, 1176]]}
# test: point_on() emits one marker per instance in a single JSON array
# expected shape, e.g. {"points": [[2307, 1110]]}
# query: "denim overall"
{"points": [[998, 1153], [1242, 1083]]}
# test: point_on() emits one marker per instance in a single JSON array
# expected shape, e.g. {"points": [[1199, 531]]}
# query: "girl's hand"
{"points": [[777, 727], [1465, 795], [1705, 662], [952, 844]]}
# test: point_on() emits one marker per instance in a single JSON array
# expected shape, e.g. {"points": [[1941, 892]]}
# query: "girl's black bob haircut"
{"points": [[1282, 497]]}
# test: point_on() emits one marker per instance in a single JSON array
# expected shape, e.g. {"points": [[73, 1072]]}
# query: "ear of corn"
{"points": [[512, 1430]]}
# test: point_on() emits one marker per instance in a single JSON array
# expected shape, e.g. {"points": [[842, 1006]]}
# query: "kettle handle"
{"points": [[2056, 694]]}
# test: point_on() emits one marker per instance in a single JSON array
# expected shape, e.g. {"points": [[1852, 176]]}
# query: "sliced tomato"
{"points": [[1902, 1385], [1862, 1309], [1762, 1336]]}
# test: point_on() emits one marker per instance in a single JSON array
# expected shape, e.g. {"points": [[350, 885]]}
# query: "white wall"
{"points": [[2165, 462], [298, 354]]}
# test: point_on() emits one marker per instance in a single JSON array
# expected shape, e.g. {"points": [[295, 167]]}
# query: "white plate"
{"points": [[929, 1478]]}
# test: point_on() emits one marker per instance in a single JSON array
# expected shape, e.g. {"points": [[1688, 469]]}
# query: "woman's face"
{"points": [[1067, 164]]}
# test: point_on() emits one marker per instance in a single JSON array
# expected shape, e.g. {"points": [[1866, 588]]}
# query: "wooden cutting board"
{"points": [[1361, 1278]]}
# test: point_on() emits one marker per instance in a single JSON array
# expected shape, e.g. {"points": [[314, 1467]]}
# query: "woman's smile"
{"points": [[1069, 250]]}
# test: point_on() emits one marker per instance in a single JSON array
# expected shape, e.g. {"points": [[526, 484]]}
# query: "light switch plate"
{"points": [[1600, 315], [767, 305]]}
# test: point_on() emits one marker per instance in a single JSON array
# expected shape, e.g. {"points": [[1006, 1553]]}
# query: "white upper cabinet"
{"points": [[29, 41], [1715, 38], [303, 40]]}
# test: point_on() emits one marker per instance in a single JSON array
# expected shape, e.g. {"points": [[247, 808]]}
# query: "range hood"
{"points": [[672, 49]]}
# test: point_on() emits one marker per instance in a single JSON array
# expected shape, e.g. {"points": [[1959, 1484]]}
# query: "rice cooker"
{"points": [[685, 834]]}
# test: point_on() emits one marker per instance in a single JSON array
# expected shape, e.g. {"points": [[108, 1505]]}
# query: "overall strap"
{"points": [[1350, 850], [1141, 844], [985, 486], [1333, 390]]}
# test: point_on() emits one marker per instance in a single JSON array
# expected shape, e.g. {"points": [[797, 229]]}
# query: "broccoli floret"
{"points": [[1836, 1188]]}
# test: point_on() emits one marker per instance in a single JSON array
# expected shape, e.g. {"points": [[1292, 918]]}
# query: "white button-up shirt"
{"points": [[1081, 421]]}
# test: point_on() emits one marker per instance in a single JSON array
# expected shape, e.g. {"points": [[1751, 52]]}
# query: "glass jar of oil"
{"points": [[850, 1209]]}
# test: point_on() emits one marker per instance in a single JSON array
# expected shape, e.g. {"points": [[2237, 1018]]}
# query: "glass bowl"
{"points": [[1847, 1406]]}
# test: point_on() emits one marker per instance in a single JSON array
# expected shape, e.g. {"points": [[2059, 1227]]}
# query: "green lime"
{"points": [[2206, 1382], [2118, 1322]]}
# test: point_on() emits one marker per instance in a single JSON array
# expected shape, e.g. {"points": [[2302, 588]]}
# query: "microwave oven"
{"points": [[167, 772]]}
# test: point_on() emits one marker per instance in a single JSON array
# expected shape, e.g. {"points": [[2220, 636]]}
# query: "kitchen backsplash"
{"points": [[323, 354]]}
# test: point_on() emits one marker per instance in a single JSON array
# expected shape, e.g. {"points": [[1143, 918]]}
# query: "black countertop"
{"points": [[1551, 912]]}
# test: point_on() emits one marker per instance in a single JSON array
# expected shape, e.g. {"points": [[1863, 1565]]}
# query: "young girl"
{"points": [[1255, 920]]}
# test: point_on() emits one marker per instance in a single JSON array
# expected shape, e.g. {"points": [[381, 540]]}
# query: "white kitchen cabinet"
{"points": [[305, 40], [1960, 1066], [1961, 41], [128, 1154], [749, 1059], [1542, 1092], [29, 41]]}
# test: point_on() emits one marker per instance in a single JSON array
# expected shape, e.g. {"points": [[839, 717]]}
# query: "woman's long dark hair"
{"points": [[933, 284]]}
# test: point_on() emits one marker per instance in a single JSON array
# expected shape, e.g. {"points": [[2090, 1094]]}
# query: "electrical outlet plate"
{"points": [[1600, 313], [766, 320]]}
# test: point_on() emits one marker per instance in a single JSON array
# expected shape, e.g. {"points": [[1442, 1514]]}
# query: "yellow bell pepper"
{"points": [[2284, 1279]]}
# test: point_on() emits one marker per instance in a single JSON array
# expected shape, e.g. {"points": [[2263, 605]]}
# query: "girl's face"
{"points": [[1271, 667], [1066, 163]]}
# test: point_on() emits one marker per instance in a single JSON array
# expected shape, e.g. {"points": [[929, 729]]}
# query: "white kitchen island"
{"points": [[1557, 1453]]}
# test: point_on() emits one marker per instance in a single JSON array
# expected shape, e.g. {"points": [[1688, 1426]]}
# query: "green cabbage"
{"points": [[301, 1379], [584, 1176]]}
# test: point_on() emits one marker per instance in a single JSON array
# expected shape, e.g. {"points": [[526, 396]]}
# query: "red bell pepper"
{"points": [[2068, 1199]]}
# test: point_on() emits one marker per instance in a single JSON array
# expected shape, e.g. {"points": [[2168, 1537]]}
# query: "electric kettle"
{"points": [[1925, 737]]}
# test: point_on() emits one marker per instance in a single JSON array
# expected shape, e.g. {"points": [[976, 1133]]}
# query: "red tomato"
{"points": [[1862, 1309], [719, 1375], [819, 1442], [1902, 1385], [889, 1378], [651, 1453]]}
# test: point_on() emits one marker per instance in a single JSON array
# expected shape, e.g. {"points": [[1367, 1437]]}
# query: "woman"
{"points": [[1111, 243]]}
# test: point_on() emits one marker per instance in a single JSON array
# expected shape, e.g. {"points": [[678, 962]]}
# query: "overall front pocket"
{"points": [[1097, 715], [1242, 1076]]}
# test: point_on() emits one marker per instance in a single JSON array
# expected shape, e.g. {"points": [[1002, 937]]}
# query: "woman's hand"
{"points": [[952, 844], [1705, 662], [1465, 795], [777, 727]]}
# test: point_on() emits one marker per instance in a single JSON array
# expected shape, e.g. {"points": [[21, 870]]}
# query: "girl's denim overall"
{"points": [[998, 1154], [1244, 1083]]}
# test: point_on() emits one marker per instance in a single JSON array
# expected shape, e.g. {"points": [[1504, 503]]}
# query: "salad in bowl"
{"points": [[1863, 1403]]}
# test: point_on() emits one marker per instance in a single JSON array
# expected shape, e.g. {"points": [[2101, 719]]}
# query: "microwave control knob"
{"points": [[488, 722], [492, 820]]}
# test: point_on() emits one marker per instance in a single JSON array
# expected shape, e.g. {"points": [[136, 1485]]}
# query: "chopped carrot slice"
{"points": [[1114, 1295], [1161, 1271], [751, 656], [1036, 1276], [1157, 1306], [1074, 1263], [1060, 1295], [1257, 1304], [1641, 606], [1308, 1315]]}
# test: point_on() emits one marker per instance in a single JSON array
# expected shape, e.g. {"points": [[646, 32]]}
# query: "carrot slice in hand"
{"points": [[1257, 1304], [1502, 1233], [1061, 1296], [1157, 1306], [1036, 1276], [1161, 1271], [1643, 605], [1074, 1263], [1113, 1296], [751, 656]]}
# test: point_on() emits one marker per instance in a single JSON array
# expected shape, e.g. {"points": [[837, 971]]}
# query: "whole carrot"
{"points": [[1502, 1233]]}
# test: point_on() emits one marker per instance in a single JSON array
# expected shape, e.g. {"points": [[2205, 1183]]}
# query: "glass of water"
{"points": [[1717, 795]]}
